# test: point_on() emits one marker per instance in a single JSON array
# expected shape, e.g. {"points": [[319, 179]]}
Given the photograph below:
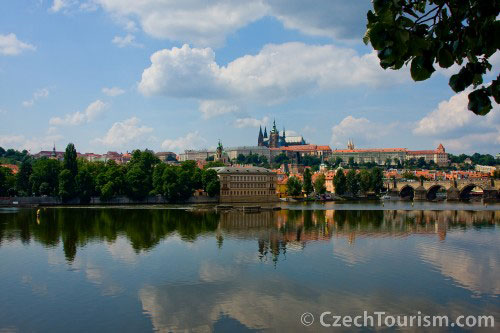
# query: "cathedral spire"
{"points": [[260, 140]]}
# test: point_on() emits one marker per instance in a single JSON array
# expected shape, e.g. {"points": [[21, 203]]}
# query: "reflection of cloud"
{"points": [[121, 250], [478, 273], [36, 287]]}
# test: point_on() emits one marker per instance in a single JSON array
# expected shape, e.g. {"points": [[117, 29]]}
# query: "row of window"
{"points": [[249, 185], [255, 178], [248, 192]]}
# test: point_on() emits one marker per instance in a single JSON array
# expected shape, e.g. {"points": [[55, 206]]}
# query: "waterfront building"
{"points": [[246, 184]]}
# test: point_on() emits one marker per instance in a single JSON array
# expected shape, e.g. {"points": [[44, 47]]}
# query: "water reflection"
{"points": [[208, 271]]}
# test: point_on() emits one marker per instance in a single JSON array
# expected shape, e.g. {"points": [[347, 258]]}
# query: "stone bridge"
{"points": [[459, 189]]}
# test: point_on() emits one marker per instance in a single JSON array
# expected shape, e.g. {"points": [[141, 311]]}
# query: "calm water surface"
{"points": [[131, 270]]}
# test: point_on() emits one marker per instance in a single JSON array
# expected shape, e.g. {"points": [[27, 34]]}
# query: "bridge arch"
{"points": [[433, 190], [467, 189], [407, 192]]}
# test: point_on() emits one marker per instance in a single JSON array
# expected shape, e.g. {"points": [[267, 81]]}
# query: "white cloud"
{"points": [[205, 23], [91, 113], [40, 93], [32, 144], [459, 129], [124, 132], [128, 40], [11, 46], [277, 73], [362, 131], [251, 122], [113, 91], [189, 141], [199, 22], [58, 5]]}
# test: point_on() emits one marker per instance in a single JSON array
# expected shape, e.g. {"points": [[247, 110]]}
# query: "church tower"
{"points": [[274, 137], [260, 140], [218, 153]]}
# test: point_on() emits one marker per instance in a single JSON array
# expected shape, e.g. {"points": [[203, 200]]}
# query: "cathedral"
{"points": [[275, 140]]}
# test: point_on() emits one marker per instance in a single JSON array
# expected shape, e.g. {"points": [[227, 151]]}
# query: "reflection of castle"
{"points": [[275, 140]]}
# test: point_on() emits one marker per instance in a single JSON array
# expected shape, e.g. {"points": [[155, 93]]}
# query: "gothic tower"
{"points": [[218, 153], [260, 140], [274, 137]]}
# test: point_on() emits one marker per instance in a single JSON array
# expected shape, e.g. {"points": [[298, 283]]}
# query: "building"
{"points": [[58, 155], [234, 152], [12, 167], [196, 155], [296, 152], [381, 156], [220, 155], [247, 184], [438, 156], [166, 156], [486, 169]]}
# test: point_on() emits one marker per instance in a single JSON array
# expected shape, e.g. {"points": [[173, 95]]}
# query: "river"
{"points": [[191, 268]]}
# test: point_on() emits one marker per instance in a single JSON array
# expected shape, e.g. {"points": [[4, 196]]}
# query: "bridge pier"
{"points": [[453, 194], [420, 194], [490, 194]]}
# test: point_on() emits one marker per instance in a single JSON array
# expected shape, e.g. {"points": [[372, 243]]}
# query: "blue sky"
{"points": [[174, 75]]}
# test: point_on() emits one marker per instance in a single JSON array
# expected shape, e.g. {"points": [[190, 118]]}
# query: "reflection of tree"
{"points": [[276, 232]]}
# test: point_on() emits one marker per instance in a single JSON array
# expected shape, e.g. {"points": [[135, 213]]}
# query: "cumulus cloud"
{"points": [[251, 122], [205, 23], [59, 5], [189, 141], [127, 40], [40, 93], [452, 124], [11, 46], [91, 113], [361, 130], [199, 22], [123, 132], [113, 91], [277, 73]]}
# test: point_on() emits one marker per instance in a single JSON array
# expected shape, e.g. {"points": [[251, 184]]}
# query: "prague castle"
{"points": [[275, 140]]}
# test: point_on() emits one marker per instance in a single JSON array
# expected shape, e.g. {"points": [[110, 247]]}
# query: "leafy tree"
{"points": [[439, 32], [281, 158], [137, 182], [70, 162], [46, 172], [211, 183], [421, 163], [66, 185], [377, 181], [365, 181], [107, 191], [351, 162], [23, 185], [339, 181], [307, 186], [293, 186], [158, 178], [352, 182], [84, 185], [214, 164], [319, 184], [7, 181]]}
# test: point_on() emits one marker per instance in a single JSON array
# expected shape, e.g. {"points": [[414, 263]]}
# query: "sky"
{"points": [[167, 75]]}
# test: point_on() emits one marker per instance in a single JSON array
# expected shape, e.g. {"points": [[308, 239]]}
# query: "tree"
{"points": [[339, 181], [23, 185], [70, 162], [66, 185], [319, 184], [377, 181], [439, 32], [307, 185], [46, 172], [365, 181], [84, 185], [137, 183], [293, 186], [352, 183], [211, 183], [421, 163], [7, 181]]}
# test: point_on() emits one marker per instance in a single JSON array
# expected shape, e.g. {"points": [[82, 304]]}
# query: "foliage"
{"points": [[213, 164], [84, 185], [293, 186], [340, 182], [377, 181], [307, 186], [281, 158], [319, 184], [365, 181], [352, 182], [211, 183], [439, 32], [66, 185], [45, 177], [7, 181], [69, 162], [23, 185], [12, 156]]}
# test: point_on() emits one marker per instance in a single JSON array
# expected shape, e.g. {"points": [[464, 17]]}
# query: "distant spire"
{"points": [[260, 140], [265, 132]]}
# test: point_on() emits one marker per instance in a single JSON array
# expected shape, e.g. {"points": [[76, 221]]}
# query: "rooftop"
{"points": [[242, 170]]}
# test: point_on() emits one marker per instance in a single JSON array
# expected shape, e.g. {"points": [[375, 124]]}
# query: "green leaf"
{"points": [[421, 69], [456, 83], [445, 58], [378, 36], [479, 102]]}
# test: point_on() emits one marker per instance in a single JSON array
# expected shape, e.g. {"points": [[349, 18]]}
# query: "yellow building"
{"points": [[246, 184]]}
